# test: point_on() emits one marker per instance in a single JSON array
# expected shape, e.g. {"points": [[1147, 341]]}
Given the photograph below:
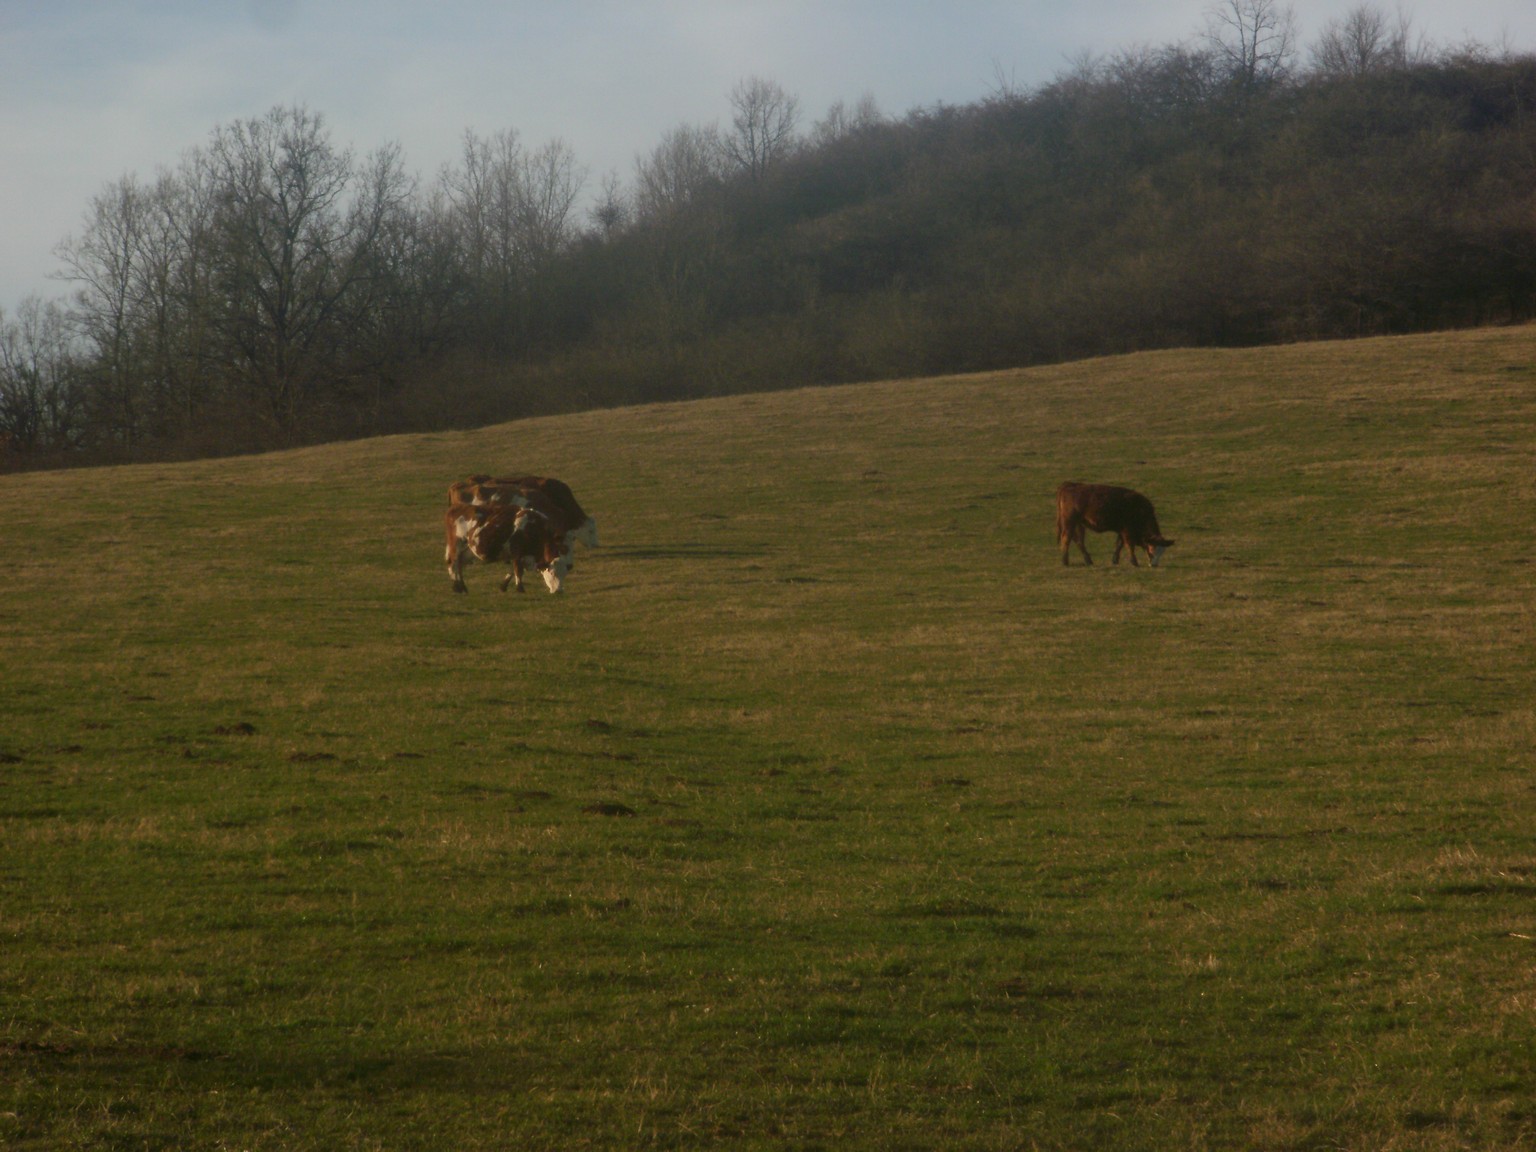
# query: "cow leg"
{"points": [[1073, 531], [456, 567], [514, 572]]}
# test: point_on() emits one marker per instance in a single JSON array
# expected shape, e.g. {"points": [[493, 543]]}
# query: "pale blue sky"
{"points": [[92, 90]]}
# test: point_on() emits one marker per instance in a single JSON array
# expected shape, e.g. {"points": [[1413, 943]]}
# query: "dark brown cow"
{"points": [[516, 534], [1107, 508]]}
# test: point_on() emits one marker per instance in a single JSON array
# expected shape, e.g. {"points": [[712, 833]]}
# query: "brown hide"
{"points": [[557, 491], [1107, 508], [481, 489]]}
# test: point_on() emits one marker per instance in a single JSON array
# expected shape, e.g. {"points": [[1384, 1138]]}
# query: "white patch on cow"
{"points": [[1157, 554], [587, 533]]}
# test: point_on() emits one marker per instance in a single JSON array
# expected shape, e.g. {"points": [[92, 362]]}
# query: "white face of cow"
{"points": [[555, 573], [1156, 554], [587, 533]]}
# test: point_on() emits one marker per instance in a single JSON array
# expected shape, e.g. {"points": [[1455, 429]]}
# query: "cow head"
{"points": [[554, 572], [1158, 545], [587, 533]]}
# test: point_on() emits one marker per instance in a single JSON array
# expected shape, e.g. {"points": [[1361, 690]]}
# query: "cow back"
{"points": [[1107, 508], [558, 491], [484, 490]]}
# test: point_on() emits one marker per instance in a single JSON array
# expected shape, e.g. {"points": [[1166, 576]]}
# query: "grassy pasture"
{"points": [[825, 809]]}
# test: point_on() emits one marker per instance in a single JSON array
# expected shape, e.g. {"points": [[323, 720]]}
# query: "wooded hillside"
{"points": [[277, 289]]}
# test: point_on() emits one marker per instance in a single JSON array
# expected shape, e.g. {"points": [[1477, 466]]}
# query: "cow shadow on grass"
{"points": [[681, 552]]}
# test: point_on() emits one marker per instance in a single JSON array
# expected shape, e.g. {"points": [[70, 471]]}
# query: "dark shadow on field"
{"points": [[682, 552], [470, 1071]]}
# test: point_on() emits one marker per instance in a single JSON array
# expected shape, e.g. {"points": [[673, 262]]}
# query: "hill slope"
{"points": [[825, 805]]}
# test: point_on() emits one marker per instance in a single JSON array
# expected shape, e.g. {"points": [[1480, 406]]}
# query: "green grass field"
{"points": [[825, 808]]}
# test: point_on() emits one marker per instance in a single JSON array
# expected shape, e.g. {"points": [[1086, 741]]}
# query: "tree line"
{"points": [[276, 288]]}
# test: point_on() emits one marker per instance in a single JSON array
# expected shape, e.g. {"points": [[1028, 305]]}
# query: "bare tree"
{"points": [[548, 182], [841, 121], [1365, 40], [1253, 40], [41, 403], [513, 206], [142, 302], [480, 196], [107, 264], [179, 298], [296, 222], [682, 223], [512, 210], [612, 211], [688, 161], [763, 123], [1163, 80]]}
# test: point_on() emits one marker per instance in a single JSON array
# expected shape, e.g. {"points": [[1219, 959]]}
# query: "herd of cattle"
{"points": [[536, 519]]}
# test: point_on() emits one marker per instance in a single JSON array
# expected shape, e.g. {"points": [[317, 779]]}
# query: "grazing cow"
{"points": [[492, 532], [1107, 508], [483, 489]]}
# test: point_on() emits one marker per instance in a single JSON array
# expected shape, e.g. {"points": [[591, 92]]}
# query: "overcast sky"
{"points": [[93, 90]]}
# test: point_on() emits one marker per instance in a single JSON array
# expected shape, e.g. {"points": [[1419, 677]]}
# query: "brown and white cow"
{"points": [[1107, 508], [485, 489], [509, 532]]}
